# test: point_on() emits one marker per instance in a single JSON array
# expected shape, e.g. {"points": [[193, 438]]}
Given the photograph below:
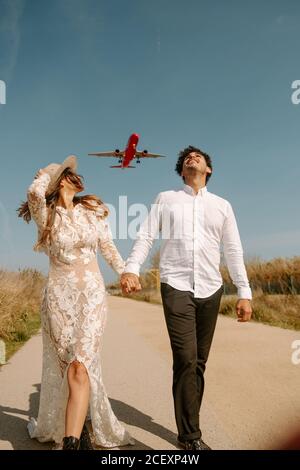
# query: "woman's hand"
{"points": [[39, 173], [130, 283]]}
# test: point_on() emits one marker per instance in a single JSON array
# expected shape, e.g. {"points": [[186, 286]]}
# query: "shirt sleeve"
{"points": [[37, 200], [233, 253], [107, 247], [145, 237]]}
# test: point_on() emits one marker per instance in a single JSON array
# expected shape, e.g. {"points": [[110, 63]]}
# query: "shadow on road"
{"points": [[13, 429], [134, 417]]}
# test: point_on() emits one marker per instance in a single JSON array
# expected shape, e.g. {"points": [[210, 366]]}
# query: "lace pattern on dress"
{"points": [[74, 314]]}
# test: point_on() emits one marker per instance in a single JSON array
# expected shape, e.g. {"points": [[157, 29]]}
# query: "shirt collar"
{"points": [[188, 189]]}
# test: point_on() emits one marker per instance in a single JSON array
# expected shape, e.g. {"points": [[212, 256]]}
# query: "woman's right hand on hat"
{"points": [[39, 173]]}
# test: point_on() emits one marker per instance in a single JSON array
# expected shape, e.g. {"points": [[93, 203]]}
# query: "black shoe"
{"points": [[71, 443], [194, 444], [85, 440]]}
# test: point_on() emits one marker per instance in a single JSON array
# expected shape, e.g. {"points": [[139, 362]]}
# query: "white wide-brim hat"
{"points": [[54, 170]]}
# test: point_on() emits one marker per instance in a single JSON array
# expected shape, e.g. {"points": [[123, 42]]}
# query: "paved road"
{"points": [[251, 401]]}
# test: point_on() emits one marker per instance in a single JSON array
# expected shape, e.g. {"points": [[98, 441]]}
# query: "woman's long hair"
{"points": [[88, 200]]}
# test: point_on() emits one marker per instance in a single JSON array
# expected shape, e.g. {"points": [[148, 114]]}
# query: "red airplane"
{"points": [[127, 155]]}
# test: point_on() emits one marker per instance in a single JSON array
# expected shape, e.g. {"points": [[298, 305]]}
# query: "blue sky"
{"points": [[81, 75]]}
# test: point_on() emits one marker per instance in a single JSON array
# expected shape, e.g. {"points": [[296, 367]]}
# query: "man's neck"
{"points": [[195, 183]]}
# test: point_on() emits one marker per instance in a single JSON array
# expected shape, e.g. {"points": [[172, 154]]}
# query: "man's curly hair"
{"points": [[185, 152]]}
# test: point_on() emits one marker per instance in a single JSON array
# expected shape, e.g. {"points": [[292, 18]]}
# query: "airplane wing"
{"points": [[146, 155], [108, 154]]}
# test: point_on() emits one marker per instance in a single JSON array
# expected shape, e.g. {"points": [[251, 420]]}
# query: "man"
{"points": [[195, 223]]}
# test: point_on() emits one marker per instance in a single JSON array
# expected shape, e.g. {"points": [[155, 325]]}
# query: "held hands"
{"points": [[243, 310], [130, 283]]}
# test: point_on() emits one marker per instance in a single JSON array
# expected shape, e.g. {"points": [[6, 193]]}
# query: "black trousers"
{"points": [[191, 324]]}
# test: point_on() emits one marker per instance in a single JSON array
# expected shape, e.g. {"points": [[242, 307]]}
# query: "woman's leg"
{"points": [[79, 392]]}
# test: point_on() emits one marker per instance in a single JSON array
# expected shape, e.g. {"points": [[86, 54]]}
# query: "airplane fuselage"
{"points": [[130, 150], [130, 153]]}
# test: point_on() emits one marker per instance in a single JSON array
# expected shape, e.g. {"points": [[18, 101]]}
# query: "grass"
{"points": [[21, 296], [277, 276], [276, 310], [275, 285], [23, 331], [20, 300]]}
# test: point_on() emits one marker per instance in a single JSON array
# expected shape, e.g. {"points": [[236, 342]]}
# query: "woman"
{"points": [[70, 231]]}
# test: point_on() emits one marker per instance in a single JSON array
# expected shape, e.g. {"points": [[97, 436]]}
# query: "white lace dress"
{"points": [[73, 314]]}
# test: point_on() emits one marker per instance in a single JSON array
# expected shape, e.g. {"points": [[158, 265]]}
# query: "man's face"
{"points": [[195, 162]]}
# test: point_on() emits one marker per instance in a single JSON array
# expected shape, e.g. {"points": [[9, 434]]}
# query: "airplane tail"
{"points": [[120, 166]]}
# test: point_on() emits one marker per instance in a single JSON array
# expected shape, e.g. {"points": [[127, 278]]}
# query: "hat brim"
{"points": [[69, 162]]}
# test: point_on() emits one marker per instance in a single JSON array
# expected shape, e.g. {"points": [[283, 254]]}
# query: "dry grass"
{"points": [[20, 300], [275, 285], [20, 297], [277, 276], [276, 310]]}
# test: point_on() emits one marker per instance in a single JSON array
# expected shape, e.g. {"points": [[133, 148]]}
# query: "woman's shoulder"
{"points": [[101, 211], [97, 206]]}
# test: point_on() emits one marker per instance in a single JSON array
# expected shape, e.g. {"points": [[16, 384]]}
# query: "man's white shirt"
{"points": [[194, 228]]}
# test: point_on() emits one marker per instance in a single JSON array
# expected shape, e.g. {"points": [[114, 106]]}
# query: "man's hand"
{"points": [[130, 283], [243, 310]]}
